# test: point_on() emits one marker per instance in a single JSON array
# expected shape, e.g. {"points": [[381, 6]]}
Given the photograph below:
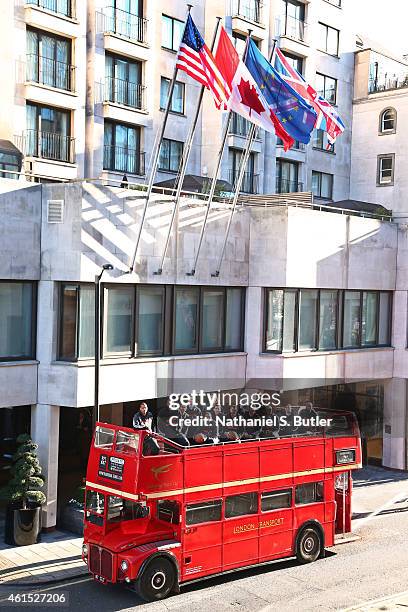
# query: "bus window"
{"points": [[95, 507], [238, 505], [274, 500], [168, 511], [309, 493], [203, 512], [127, 442], [104, 437], [120, 509]]}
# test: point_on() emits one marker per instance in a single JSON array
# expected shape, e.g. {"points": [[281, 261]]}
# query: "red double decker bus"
{"points": [[160, 515]]}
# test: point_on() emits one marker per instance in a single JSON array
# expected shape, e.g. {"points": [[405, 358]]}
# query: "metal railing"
{"points": [[287, 186], [125, 92], [387, 83], [47, 145], [240, 126], [249, 183], [249, 9], [117, 21], [61, 7], [292, 27], [47, 71], [123, 159], [298, 146]]}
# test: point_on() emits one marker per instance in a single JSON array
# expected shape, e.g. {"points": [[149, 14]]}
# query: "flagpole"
{"points": [[184, 160], [244, 161], [156, 155]]}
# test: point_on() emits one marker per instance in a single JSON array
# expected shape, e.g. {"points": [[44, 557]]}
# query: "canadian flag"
{"points": [[245, 97]]}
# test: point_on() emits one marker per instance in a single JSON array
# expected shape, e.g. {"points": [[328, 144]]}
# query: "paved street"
{"points": [[370, 568]]}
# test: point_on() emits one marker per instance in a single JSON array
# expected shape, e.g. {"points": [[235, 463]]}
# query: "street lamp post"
{"points": [[98, 278]]}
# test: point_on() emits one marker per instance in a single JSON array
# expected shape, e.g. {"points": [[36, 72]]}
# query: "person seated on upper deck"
{"points": [[215, 429], [169, 430], [143, 418], [230, 436], [202, 438], [252, 429], [271, 427], [307, 413]]}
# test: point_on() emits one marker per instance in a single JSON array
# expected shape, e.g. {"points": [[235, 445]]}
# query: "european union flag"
{"points": [[295, 115]]}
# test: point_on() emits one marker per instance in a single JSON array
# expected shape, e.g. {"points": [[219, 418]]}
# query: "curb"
{"points": [[35, 583]]}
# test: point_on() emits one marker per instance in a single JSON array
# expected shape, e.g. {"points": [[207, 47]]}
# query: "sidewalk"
{"points": [[397, 602], [57, 557]]}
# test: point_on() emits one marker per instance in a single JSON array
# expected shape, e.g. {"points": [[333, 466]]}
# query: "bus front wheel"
{"points": [[309, 545], [157, 580]]}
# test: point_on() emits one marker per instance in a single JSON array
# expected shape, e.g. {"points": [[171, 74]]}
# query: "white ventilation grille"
{"points": [[55, 211]]}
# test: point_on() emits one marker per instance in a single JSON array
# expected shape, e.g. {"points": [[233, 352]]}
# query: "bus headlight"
{"points": [[124, 566], [345, 456], [85, 550]]}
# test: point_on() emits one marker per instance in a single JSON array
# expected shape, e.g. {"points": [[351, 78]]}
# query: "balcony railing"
{"points": [[116, 21], [61, 7], [123, 159], [47, 71], [240, 126], [47, 145], [125, 92], [249, 183], [298, 146], [287, 186], [292, 28], [387, 83], [248, 9]]}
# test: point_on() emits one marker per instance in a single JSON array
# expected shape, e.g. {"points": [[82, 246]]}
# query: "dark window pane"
{"points": [[119, 311], [307, 319], [186, 319], [384, 320], [369, 318], [150, 320], [351, 319], [274, 324], [309, 493], [203, 512], [168, 511], [16, 315], [328, 320], [274, 500], [238, 505], [233, 332], [68, 346], [212, 317]]}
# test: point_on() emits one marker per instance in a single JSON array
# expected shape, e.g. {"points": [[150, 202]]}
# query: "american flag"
{"points": [[327, 117], [195, 58]]}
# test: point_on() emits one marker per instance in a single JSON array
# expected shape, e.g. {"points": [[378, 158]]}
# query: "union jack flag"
{"points": [[327, 117], [196, 59]]}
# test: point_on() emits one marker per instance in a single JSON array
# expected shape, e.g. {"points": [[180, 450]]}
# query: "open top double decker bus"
{"points": [[160, 515]]}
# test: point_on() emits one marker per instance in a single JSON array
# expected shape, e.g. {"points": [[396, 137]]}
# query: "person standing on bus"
{"points": [[143, 418]]}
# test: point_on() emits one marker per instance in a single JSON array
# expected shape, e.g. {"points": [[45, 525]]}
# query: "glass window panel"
{"points": [[384, 319], [289, 321], [164, 158], [309, 493], [332, 41], [274, 324], [327, 185], [68, 345], [239, 505], [322, 37], [86, 322], [328, 320], [369, 318], [167, 32], [307, 319], [233, 323], [178, 30], [186, 319], [274, 500], [177, 101], [164, 89], [351, 319], [203, 512], [16, 315], [150, 320], [119, 311], [176, 150], [212, 318]]}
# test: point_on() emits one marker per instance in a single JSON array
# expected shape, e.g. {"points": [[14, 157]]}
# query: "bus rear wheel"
{"points": [[157, 580], [309, 545]]}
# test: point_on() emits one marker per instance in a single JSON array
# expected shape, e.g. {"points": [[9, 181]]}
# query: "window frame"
{"points": [[169, 170], [173, 20], [136, 351], [236, 516], [78, 286], [315, 484], [380, 158], [34, 315], [181, 113], [214, 502], [325, 149], [276, 492], [320, 174], [327, 28], [138, 134], [323, 92], [129, 62], [105, 354], [381, 130], [69, 66]]}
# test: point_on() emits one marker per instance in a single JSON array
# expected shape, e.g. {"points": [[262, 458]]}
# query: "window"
{"points": [[287, 177], [309, 493], [274, 500], [95, 507], [295, 61], [385, 169], [322, 185], [307, 319], [122, 149], [388, 121], [123, 80], [326, 87], [125, 17], [63, 7], [77, 332], [281, 320], [172, 32], [150, 312], [171, 152], [328, 312], [239, 41], [48, 133], [293, 19], [212, 319], [351, 319], [48, 60], [168, 511], [250, 180], [234, 318], [17, 320], [120, 509], [177, 99], [241, 504], [328, 39], [321, 142], [249, 9], [118, 303], [186, 319], [369, 318], [203, 512], [384, 332]]}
